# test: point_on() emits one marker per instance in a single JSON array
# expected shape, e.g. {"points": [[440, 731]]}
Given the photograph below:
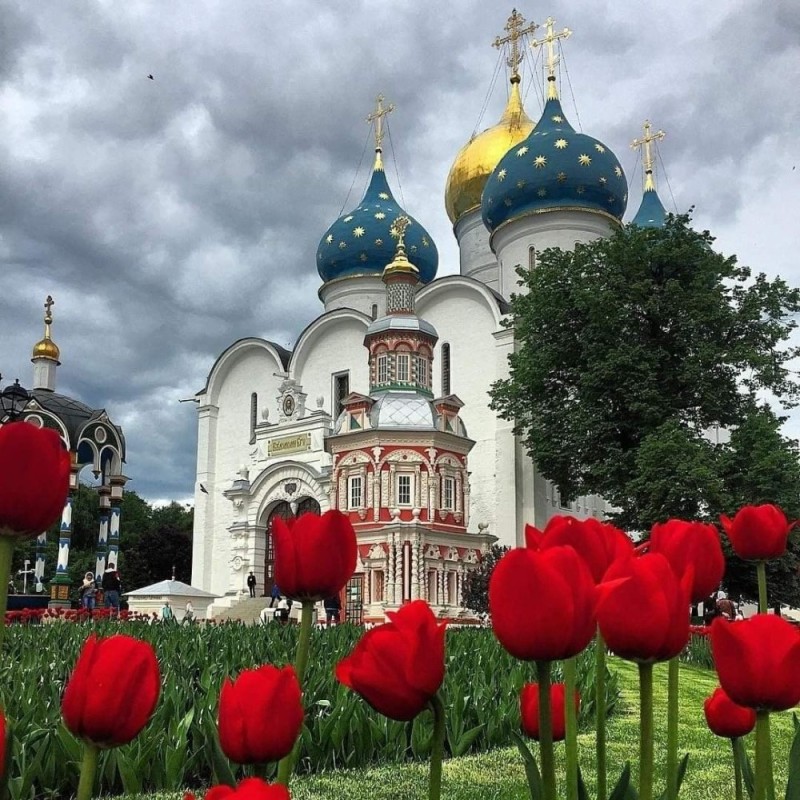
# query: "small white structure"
{"points": [[151, 599]]}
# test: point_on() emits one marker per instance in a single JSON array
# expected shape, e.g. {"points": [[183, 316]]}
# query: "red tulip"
{"points": [[643, 609], [316, 556], [693, 544], [112, 690], [248, 789], [398, 667], [597, 543], [542, 603], [727, 719], [529, 709], [260, 715], [758, 533], [34, 479], [758, 661]]}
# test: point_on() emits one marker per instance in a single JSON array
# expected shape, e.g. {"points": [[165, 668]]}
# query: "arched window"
{"points": [[253, 416], [445, 369], [531, 258], [374, 311]]}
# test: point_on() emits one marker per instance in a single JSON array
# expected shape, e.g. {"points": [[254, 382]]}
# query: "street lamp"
{"points": [[13, 400]]}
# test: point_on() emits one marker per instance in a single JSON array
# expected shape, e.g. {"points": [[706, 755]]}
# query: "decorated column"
{"points": [[102, 536], [59, 588], [41, 545], [117, 485]]}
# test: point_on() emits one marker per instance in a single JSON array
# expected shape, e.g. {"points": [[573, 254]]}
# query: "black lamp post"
{"points": [[13, 400]]}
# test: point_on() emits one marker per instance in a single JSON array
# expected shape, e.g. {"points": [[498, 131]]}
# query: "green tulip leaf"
{"points": [[583, 792], [681, 775], [748, 776], [620, 791], [531, 768], [793, 784]]}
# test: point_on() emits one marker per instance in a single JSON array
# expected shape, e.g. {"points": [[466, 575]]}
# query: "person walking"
{"points": [[274, 595], [251, 584], [333, 610], [112, 585]]}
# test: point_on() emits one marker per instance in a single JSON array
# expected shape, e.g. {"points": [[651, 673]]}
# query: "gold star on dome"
{"points": [[348, 218], [542, 192], [618, 171], [507, 202], [561, 177], [611, 199], [342, 245], [329, 238], [379, 243], [599, 148], [581, 190], [603, 181], [425, 242], [363, 257], [383, 196], [625, 198], [501, 176], [358, 232], [380, 215], [557, 118], [412, 249], [539, 162], [584, 160], [561, 143], [522, 150], [521, 183]]}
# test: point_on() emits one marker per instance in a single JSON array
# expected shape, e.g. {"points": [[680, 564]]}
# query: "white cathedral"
{"points": [[383, 433]]}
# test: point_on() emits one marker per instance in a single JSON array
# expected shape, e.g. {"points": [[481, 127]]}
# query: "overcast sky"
{"points": [[170, 217]]}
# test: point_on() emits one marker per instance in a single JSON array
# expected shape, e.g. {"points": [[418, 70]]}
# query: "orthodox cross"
{"points": [[515, 33], [48, 305], [647, 156], [399, 230], [552, 59], [377, 117]]}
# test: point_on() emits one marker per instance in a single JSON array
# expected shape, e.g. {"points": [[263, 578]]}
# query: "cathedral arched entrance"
{"points": [[283, 510]]}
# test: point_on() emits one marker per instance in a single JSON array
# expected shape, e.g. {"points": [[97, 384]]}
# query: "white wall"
{"points": [[357, 292], [476, 257]]}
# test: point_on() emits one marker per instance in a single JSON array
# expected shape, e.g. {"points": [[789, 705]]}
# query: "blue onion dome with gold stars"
{"points": [[554, 168], [651, 213], [361, 242]]}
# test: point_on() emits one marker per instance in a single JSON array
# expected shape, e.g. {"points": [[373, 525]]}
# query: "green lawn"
{"points": [[499, 774]]}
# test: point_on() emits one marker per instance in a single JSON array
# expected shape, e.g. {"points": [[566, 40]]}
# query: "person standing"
{"points": [[188, 614], [111, 588], [167, 614], [333, 610], [88, 592], [251, 584], [274, 595]]}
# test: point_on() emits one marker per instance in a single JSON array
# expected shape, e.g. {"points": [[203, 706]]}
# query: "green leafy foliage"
{"points": [[476, 582], [341, 731]]}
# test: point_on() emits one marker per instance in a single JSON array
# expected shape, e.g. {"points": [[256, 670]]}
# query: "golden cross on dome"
{"points": [[647, 156], [48, 313], [399, 230], [515, 33], [552, 59], [377, 117]]}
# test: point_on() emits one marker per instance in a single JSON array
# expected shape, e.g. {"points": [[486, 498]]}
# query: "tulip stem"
{"points": [[646, 732], [286, 764], [437, 748], [546, 731], [88, 769], [763, 765], [600, 713], [761, 571], [571, 728], [6, 551], [672, 728], [737, 768]]}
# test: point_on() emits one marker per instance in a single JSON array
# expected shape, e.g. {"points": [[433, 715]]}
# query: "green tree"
{"points": [[628, 348], [475, 594]]}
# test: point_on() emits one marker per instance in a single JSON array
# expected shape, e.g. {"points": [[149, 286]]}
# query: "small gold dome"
{"points": [[46, 348], [477, 159]]}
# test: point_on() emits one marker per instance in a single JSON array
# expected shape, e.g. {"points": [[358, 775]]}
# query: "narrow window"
{"points": [[404, 490], [448, 493], [531, 258], [422, 371], [377, 586], [341, 388], [374, 311], [446, 369], [383, 369], [253, 416], [402, 368], [355, 491]]}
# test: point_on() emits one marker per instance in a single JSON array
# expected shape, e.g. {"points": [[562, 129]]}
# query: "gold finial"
{"points": [[647, 157], [47, 348], [377, 117], [400, 264], [399, 230], [552, 59], [515, 33]]}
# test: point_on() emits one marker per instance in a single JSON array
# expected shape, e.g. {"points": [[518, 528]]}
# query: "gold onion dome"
{"points": [[476, 161], [46, 347]]}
